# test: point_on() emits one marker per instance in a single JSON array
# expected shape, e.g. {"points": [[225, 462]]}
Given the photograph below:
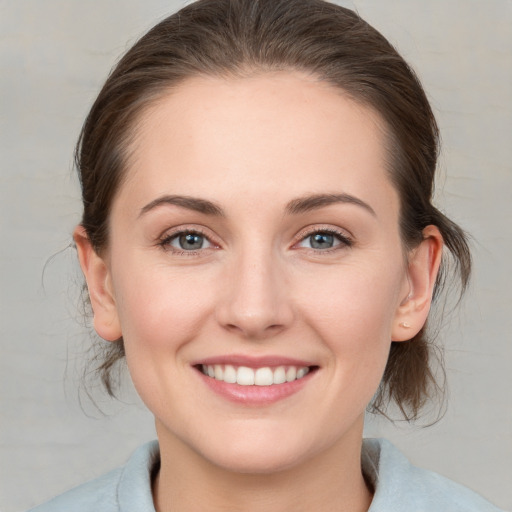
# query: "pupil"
{"points": [[191, 241], [322, 241]]}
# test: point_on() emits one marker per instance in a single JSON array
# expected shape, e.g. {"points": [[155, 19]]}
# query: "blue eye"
{"points": [[189, 241], [321, 241], [324, 240]]}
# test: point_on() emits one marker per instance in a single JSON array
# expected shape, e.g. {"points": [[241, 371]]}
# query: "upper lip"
{"points": [[253, 361]]}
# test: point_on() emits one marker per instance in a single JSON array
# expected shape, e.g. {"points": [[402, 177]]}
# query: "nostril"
{"points": [[253, 304]]}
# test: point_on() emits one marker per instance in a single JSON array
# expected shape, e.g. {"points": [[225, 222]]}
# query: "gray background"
{"points": [[54, 56]]}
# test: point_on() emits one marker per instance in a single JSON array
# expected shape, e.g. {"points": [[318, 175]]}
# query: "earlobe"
{"points": [[99, 285], [423, 267]]}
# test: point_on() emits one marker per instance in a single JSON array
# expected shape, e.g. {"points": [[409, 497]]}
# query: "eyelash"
{"points": [[168, 238], [344, 240]]}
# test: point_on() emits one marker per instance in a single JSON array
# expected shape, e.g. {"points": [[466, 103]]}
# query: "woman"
{"points": [[259, 242]]}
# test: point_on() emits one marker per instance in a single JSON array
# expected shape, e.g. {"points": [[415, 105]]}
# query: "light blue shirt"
{"points": [[399, 486]]}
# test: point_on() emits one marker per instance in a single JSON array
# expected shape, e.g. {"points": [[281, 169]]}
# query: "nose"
{"points": [[254, 302]]}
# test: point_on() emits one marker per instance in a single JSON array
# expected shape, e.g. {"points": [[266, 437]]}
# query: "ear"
{"points": [[423, 266], [99, 284]]}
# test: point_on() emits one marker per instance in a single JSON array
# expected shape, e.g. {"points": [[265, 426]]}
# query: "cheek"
{"points": [[353, 313], [354, 301], [160, 313], [160, 309]]}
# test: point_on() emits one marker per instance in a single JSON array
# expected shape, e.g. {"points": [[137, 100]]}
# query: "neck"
{"points": [[331, 480]]}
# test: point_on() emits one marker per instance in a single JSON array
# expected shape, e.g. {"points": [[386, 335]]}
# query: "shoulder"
{"points": [[400, 486], [124, 489], [99, 494]]}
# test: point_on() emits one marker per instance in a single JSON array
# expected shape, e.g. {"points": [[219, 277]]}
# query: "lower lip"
{"points": [[255, 395]]}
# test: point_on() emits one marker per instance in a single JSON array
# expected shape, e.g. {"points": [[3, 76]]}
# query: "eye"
{"points": [[324, 240], [187, 241]]}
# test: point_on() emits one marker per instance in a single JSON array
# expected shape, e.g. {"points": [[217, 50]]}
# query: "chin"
{"points": [[257, 463], [262, 452]]}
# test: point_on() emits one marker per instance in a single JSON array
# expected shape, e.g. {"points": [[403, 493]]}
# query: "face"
{"points": [[256, 239]]}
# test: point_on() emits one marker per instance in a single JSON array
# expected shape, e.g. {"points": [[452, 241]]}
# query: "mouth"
{"points": [[254, 382], [261, 376]]}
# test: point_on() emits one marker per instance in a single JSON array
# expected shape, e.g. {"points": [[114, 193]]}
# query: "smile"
{"points": [[245, 376], [255, 381]]}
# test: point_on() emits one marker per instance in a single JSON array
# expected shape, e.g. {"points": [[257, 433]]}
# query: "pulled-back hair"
{"points": [[231, 38]]}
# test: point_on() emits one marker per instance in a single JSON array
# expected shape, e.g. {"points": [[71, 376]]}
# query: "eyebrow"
{"points": [[294, 207], [316, 201], [191, 203]]}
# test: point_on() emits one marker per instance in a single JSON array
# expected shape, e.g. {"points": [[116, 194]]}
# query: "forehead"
{"points": [[267, 135]]}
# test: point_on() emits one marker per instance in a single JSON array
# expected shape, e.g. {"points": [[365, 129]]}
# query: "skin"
{"points": [[257, 287]]}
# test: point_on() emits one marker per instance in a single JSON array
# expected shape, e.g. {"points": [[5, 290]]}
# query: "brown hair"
{"points": [[236, 37]]}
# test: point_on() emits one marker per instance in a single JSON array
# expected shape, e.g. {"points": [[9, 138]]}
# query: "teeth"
{"points": [[245, 376], [229, 374], [263, 377], [301, 372], [291, 374], [280, 375]]}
